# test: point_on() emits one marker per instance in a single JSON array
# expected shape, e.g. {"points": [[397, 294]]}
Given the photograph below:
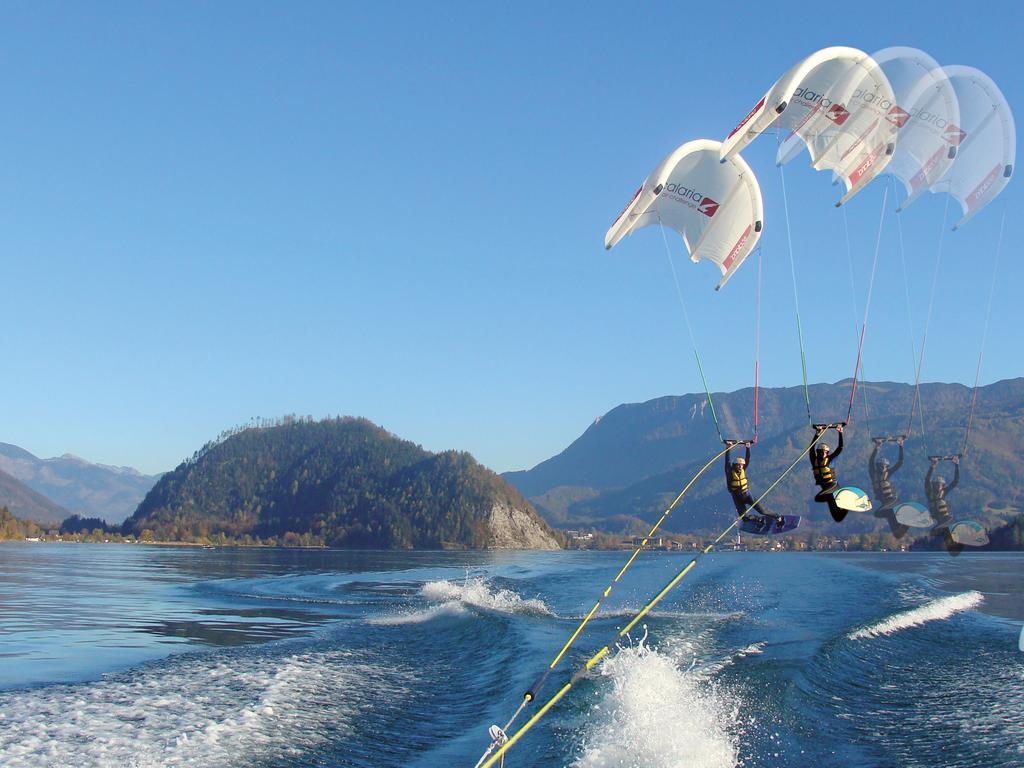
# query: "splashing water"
{"points": [[936, 610], [658, 715], [476, 592]]}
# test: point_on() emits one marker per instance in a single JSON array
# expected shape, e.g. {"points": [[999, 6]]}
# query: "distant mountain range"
{"points": [[27, 504], [621, 473], [70, 485]]}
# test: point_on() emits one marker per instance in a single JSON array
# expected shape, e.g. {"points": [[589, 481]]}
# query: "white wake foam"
{"points": [[936, 610], [450, 608], [658, 715], [477, 592], [190, 712], [629, 612]]}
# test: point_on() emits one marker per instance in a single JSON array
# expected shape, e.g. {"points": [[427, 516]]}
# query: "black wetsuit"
{"points": [[937, 504], [881, 479], [739, 489], [825, 477]]}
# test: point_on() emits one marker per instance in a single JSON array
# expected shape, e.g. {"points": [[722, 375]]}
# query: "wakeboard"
{"points": [[968, 533], [769, 526], [913, 515], [852, 499]]}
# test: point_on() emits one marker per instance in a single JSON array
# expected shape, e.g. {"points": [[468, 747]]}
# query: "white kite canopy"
{"points": [[716, 206], [835, 103], [925, 107], [814, 74], [985, 140]]}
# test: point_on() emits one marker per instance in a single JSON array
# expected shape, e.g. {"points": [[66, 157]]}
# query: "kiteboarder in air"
{"points": [[937, 489], [824, 474], [881, 472], [739, 487]]}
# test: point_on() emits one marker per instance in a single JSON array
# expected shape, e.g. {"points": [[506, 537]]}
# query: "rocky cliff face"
{"points": [[514, 528]]}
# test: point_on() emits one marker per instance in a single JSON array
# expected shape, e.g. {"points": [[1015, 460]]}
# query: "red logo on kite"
{"points": [[746, 119], [897, 116], [707, 207], [837, 113], [954, 135], [631, 201]]}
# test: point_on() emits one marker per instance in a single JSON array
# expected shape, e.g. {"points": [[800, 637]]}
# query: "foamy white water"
{"points": [[192, 711], [451, 608], [657, 715], [478, 593], [936, 610]]}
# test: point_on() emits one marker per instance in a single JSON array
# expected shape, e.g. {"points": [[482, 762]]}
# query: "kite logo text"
{"points": [[692, 198], [810, 97]]}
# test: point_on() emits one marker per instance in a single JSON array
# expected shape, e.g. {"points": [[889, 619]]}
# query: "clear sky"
{"points": [[215, 211]]}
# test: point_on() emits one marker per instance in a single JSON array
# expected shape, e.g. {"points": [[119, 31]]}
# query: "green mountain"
{"points": [[341, 482], [621, 473]]}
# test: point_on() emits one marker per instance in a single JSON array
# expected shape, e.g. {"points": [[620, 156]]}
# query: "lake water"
{"points": [[120, 655]]}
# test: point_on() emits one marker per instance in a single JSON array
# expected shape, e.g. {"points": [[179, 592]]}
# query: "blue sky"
{"points": [[210, 212]]}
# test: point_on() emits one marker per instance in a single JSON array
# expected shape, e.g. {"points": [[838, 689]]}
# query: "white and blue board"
{"points": [[969, 533], [913, 515], [852, 499]]}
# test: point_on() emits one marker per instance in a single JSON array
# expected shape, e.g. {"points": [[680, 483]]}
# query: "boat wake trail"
{"points": [[478, 593], [936, 610], [193, 710], [656, 714], [451, 608]]}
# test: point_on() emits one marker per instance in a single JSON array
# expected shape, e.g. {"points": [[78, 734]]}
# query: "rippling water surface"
{"points": [[118, 655]]}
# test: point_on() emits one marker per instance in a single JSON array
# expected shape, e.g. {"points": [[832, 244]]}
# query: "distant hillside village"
{"points": [[792, 542], [85, 530]]}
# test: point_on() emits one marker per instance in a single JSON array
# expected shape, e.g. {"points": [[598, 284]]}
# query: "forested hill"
{"points": [[341, 482], [624, 469]]}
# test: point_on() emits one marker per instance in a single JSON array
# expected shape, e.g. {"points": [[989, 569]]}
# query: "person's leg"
{"points": [[953, 547], [826, 496], [740, 503], [759, 507], [895, 526], [823, 495]]}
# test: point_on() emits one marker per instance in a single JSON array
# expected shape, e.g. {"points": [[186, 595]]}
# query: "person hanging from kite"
{"points": [[739, 487], [824, 475], [881, 472], [936, 490]]}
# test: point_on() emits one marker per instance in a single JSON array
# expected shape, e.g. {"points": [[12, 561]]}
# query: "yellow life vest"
{"points": [[823, 473], [737, 479]]}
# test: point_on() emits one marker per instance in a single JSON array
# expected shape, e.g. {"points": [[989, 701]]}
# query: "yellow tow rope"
{"points": [[593, 660], [633, 557], [535, 687]]}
